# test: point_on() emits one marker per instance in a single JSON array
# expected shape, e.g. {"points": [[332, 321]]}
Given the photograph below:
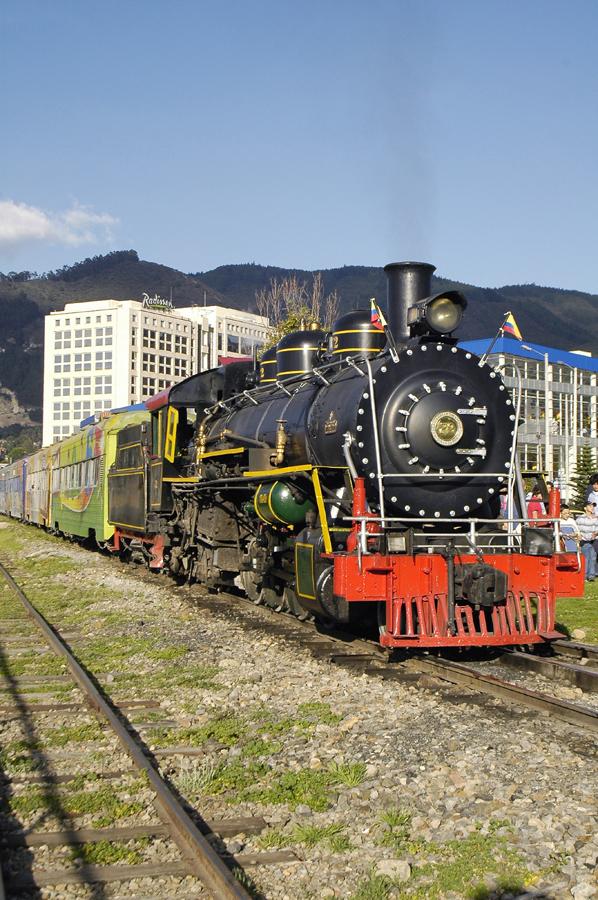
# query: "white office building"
{"points": [[105, 354], [229, 333], [559, 403]]}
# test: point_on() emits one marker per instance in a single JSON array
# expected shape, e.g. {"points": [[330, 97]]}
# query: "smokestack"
{"points": [[408, 282]]}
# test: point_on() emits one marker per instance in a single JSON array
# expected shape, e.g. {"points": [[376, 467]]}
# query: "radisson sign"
{"points": [[157, 302]]}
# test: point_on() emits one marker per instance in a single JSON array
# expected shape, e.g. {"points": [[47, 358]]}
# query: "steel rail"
{"points": [[382, 665], [556, 668], [573, 713], [199, 855]]}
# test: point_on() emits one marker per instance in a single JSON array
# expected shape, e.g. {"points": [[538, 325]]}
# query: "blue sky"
{"points": [[307, 134]]}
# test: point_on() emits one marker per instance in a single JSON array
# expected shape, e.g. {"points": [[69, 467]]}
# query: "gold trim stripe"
{"points": [[286, 470], [359, 331], [357, 350], [294, 349], [315, 477], [225, 452], [190, 480]]}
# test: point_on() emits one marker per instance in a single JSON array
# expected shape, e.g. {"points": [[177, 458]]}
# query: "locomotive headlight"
{"points": [[443, 314], [440, 313]]}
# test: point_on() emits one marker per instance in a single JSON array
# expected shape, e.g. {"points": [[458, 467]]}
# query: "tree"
{"points": [[585, 467], [291, 305]]}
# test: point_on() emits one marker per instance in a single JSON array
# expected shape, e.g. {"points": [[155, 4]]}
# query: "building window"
{"points": [[103, 384], [149, 339], [220, 344], [232, 343]]}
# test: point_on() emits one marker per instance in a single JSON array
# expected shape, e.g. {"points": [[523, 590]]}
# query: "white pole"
{"points": [[574, 418], [547, 416]]}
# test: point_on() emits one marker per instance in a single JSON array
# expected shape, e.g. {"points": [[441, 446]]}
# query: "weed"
{"points": [[195, 777], [331, 835], [227, 729], [274, 839], [306, 786], [260, 747], [106, 853], [170, 653], [247, 881], [316, 713], [398, 822], [60, 737], [103, 800], [350, 774], [374, 887], [461, 864]]}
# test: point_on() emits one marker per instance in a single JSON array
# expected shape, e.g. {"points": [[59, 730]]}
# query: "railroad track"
{"points": [[190, 852], [573, 663], [341, 648]]}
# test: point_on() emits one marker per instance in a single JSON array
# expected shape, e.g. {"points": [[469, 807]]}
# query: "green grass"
{"points": [[463, 864], [227, 729], [374, 887], [332, 836], [69, 734], [455, 867], [107, 853], [349, 774], [103, 801], [580, 612], [397, 831], [35, 664], [306, 787]]}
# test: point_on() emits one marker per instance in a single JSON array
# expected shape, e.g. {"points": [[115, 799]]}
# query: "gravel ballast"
{"points": [[381, 789]]}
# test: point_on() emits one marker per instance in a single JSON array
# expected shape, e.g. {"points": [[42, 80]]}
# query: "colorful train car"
{"points": [[64, 487]]}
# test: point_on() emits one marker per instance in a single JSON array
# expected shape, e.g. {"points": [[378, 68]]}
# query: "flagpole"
{"points": [[484, 357], [388, 333]]}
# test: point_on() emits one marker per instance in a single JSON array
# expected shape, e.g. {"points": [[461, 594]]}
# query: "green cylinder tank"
{"points": [[275, 504]]}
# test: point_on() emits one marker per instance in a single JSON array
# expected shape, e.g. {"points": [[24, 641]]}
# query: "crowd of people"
{"points": [[580, 532]]}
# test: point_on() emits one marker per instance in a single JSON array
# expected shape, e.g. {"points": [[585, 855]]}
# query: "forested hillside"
{"points": [[546, 315]]}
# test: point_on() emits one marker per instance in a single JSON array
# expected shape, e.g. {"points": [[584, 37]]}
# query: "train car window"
{"points": [[157, 434], [171, 431]]}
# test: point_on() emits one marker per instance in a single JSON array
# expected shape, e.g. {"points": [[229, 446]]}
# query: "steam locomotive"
{"points": [[354, 477]]}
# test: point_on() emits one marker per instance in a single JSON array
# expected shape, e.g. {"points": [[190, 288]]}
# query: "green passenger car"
{"points": [[80, 466]]}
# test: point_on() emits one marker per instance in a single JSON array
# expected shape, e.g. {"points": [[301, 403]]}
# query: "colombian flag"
{"points": [[377, 319], [509, 326]]}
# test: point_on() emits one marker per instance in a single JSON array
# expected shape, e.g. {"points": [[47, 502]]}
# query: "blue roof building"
{"points": [[559, 400]]}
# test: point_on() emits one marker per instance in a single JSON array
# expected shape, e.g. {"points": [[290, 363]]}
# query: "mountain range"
{"points": [[546, 315]]}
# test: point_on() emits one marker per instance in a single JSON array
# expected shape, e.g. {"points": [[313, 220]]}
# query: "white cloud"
{"points": [[21, 224]]}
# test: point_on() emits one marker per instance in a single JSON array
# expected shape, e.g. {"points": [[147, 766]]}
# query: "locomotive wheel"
{"points": [[252, 585]]}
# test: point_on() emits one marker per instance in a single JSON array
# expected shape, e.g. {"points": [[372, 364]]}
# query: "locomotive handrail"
{"points": [[472, 522], [372, 399], [296, 381]]}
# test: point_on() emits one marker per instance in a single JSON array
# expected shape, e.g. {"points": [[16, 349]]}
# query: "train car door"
{"points": [[127, 479], [165, 432]]}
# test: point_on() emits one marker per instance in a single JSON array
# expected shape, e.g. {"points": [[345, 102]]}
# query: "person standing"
{"points": [[588, 531], [592, 491], [535, 507], [569, 530]]}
